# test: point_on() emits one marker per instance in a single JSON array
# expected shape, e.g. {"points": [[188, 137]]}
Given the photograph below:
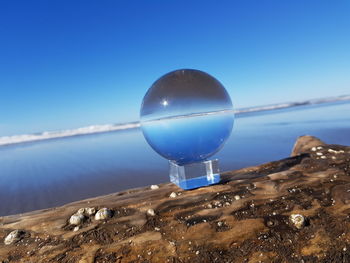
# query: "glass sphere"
{"points": [[186, 116]]}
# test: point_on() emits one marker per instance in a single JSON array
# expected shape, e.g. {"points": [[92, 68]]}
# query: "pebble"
{"points": [[81, 211], [151, 212], [90, 211], [319, 148], [103, 213], [76, 228], [237, 197], [220, 224], [297, 220], [87, 211], [313, 149], [270, 223], [13, 237], [154, 187], [323, 157], [173, 195], [334, 151], [319, 154], [76, 219]]}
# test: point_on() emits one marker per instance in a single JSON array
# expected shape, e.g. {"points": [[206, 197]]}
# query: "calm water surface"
{"points": [[51, 173]]}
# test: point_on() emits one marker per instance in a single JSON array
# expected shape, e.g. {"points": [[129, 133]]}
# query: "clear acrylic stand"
{"points": [[194, 175]]}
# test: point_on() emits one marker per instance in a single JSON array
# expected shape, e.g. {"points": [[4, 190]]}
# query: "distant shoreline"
{"points": [[95, 129]]}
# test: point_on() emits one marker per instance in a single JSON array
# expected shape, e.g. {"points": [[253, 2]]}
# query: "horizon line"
{"points": [[94, 129]]}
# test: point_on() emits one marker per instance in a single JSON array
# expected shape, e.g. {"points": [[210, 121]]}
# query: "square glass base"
{"points": [[194, 175]]}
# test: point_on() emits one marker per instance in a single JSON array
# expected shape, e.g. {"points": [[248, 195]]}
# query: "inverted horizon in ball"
{"points": [[186, 116]]}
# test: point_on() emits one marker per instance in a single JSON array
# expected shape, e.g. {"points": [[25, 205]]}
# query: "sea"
{"points": [[48, 173]]}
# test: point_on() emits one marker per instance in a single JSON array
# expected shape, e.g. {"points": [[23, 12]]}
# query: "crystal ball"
{"points": [[186, 116]]}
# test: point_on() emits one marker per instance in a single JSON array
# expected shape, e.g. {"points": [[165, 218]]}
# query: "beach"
{"points": [[290, 210], [43, 174]]}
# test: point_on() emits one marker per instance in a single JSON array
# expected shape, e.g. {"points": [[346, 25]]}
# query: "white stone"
{"points": [[151, 212], [334, 151], [76, 219], [237, 197], [319, 148], [313, 149], [319, 154], [87, 211], [103, 213], [13, 237], [323, 157], [154, 187], [90, 211], [76, 228], [81, 211], [297, 220], [173, 195]]}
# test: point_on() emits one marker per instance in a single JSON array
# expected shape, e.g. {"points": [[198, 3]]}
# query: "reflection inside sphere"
{"points": [[186, 116]]}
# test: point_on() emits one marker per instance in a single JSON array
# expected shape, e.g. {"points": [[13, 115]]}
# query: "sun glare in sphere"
{"points": [[165, 103]]}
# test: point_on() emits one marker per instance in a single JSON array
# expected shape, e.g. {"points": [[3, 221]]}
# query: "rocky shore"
{"points": [[292, 210]]}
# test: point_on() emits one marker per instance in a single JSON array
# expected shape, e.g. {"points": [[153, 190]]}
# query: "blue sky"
{"points": [[67, 64]]}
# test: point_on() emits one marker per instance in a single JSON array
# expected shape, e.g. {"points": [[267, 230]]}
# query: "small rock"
{"points": [[76, 219], [323, 157], [157, 229], [319, 148], [297, 220], [237, 197], [220, 224], [151, 212], [13, 237], [269, 223], [313, 149], [76, 228], [154, 187], [103, 213], [319, 154], [80, 211], [90, 211], [173, 195], [87, 211]]}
